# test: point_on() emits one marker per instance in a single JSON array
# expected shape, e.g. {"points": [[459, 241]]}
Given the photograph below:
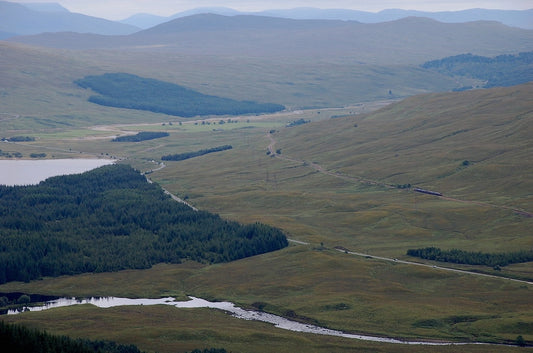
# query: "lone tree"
{"points": [[520, 341]]}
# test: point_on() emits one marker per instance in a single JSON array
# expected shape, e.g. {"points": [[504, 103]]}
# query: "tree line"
{"points": [[124, 90], [501, 70], [19, 139], [141, 136], [187, 155], [471, 257], [111, 219], [19, 339]]}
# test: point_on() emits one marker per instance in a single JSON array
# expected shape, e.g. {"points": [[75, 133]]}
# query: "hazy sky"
{"points": [[120, 9]]}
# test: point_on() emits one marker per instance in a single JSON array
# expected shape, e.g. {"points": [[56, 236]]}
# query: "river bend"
{"points": [[277, 321]]}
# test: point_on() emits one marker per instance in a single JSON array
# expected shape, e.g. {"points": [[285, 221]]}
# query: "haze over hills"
{"points": [[513, 18], [296, 63], [17, 19], [45, 6], [406, 41], [146, 20], [34, 18]]}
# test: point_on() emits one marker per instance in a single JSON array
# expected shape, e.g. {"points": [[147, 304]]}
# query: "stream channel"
{"points": [[277, 321]]}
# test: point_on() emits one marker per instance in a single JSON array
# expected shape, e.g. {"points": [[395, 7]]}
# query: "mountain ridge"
{"points": [[411, 40], [22, 20], [513, 18]]}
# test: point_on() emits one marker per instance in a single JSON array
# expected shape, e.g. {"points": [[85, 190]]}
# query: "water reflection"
{"points": [[30, 172]]}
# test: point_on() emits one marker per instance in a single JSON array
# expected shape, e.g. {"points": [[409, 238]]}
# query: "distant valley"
{"points": [[306, 163]]}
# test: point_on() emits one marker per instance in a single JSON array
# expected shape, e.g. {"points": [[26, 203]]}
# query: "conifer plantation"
{"points": [[19, 339], [129, 91], [111, 219]]}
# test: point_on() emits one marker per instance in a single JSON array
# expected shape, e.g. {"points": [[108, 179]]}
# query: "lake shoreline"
{"points": [[20, 172]]}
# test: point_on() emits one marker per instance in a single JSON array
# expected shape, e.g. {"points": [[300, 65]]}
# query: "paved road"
{"points": [[412, 263], [174, 197], [430, 266]]}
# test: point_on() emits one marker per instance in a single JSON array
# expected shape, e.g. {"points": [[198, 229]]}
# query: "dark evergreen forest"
{"points": [[471, 257], [19, 339], [141, 136], [187, 155], [501, 70], [111, 219], [133, 92]]}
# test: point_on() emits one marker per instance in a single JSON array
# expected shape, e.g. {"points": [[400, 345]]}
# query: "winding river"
{"points": [[229, 307]]}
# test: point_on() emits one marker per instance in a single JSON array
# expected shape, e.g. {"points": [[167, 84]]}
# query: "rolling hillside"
{"points": [[29, 72], [407, 41]]}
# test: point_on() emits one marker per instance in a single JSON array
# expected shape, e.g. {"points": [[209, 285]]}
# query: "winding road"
{"points": [[346, 251], [172, 196], [319, 168], [405, 262]]}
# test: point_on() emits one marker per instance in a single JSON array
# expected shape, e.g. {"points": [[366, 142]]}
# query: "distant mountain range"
{"points": [[411, 40], [45, 6], [26, 19], [512, 18], [35, 18]]}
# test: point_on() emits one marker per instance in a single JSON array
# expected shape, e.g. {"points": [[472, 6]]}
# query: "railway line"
{"points": [[321, 169]]}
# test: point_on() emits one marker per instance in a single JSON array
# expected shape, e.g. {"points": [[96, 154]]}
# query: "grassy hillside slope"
{"points": [[425, 141], [38, 94]]}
